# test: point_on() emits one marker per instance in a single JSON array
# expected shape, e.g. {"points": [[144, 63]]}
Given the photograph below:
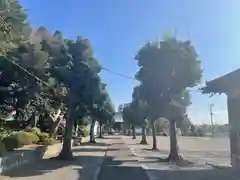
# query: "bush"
{"points": [[34, 130], [26, 138], [11, 142], [3, 149], [49, 141], [19, 139], [43, 136], [4, 132], [46, 140], [85, 132]]}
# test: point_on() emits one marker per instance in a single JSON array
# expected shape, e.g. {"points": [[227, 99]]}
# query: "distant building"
{"points": [[121, 106], [118, 117], [118, 121]]}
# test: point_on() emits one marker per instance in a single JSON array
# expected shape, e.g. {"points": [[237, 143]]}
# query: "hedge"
{"points": [[27, 137]]}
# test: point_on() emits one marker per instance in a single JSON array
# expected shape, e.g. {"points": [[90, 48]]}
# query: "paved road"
{"points": [[86, 166], [197, 150], [120, 164], [203, 149]]}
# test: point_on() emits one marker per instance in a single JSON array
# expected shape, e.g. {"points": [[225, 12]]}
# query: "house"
{"points": [[229, 84], [118, 121]]}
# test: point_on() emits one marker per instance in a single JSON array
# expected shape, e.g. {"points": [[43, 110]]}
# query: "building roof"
{"points": [[223, 84]]}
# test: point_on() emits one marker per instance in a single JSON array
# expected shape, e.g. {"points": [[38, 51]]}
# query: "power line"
{"points": [[133, 78], [119, 74], [45, 83]]}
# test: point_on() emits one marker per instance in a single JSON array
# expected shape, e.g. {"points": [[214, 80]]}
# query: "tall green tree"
{"points": [[130, 118], [176, 112], [76, 63], [102, 111], [167, 67], [140, 112], [13, 25]]}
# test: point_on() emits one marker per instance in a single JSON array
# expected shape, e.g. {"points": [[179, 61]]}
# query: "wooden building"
{"points": [[229, 84]]}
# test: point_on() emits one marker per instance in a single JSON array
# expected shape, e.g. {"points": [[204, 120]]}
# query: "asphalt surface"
{"points": [[113, 158], [199, 150], [214, 151], [88, 160], [120, 164]]}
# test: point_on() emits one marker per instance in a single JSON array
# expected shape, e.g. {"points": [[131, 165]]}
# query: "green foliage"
{"points": [[137, 111], [19, 139], [13, 24], [45, 139], [86, 132], [4, 132], [184, 126], [11, 143], [49, 141], [26, 138], [34, 130], [43, 72], [167, 68], [43, 136], [3, 149]]}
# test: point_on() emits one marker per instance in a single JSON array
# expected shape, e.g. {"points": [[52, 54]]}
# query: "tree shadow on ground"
{"points": [[85, 166], [152, 150], [229, 170], [121, 169], [128, 170], [191, 173], [92, 150], [94, 144], [107, 137]]}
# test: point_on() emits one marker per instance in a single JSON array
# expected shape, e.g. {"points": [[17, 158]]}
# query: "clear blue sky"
{"points": [[118, 28]]}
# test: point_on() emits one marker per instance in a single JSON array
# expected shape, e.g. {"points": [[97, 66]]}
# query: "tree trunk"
{"points": [[173, 156], [100, 131], [57, 119], [92, 135], [36, 119], [76, 136], [144, 138], [154, 136], [110, 130], [133, 132], [66, 152]]}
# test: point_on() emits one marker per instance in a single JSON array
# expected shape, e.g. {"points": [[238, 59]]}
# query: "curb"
{"points": [[21, 157]]}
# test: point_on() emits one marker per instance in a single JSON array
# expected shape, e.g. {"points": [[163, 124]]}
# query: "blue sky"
{"points": [[117, 29]]}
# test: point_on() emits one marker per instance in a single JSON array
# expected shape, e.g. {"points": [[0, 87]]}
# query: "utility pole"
{"points": [[211, 115]]}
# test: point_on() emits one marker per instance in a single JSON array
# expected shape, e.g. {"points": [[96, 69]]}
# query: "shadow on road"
{"points": [[94, 144], [92, 150], [121, 169], [86, 162], [83, 164], [200, 174], [107, 137]]}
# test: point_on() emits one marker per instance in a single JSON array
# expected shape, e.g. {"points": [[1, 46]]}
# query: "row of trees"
{"points": [[47, 75], [167, 68]]}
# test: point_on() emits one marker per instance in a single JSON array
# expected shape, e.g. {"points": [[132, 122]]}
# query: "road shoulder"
{"points": [[88, 159]]}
